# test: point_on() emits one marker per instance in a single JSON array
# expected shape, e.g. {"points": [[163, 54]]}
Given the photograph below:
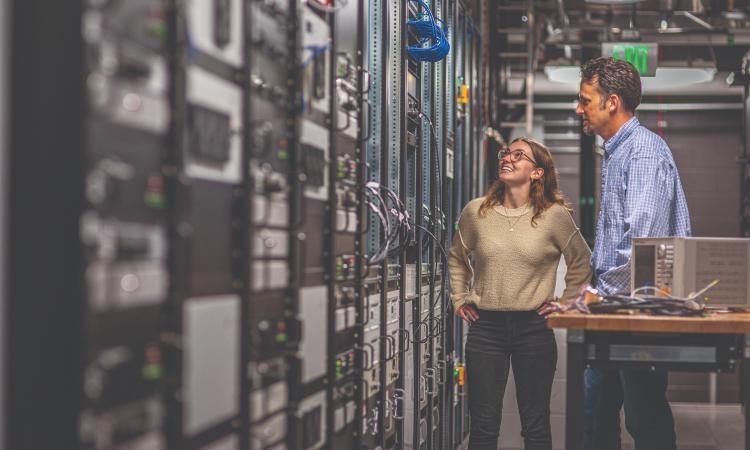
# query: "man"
{"points": [[641, 196]]}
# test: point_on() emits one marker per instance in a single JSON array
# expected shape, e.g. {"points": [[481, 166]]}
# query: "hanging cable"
{"points": [[438, 223], [590, 301], [432, 44], [394, 218]]}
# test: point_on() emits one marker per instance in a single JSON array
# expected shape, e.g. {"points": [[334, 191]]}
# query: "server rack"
{"points": [[212, 234]]}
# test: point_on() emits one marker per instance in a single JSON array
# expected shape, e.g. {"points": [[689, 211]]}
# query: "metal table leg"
{"points": [[745, 392], [574, 392]]}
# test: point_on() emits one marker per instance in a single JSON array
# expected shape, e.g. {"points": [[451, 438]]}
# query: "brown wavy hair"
{"points": [[544, 191]]}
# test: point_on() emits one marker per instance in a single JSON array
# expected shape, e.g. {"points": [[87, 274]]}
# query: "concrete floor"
{"points": [[699, 427], [705, 427]]}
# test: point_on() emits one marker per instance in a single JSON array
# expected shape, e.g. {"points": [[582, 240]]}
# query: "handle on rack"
{"points": [[441, 372], [366, 137], [407, 339], [398, 403], [372, 355], [429, 374]]}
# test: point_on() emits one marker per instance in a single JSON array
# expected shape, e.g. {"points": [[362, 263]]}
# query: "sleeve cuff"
{"points": [[464, 298]]}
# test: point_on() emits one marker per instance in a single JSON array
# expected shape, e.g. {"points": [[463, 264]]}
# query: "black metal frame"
{"points": [[744, 76], [588, 201], [45, 289], [592, 349]]}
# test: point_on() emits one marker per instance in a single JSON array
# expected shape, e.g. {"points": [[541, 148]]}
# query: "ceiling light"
{"points": [[563, 74], [665, 78]]}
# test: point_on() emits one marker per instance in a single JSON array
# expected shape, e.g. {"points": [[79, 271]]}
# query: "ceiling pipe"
{"points": [[697, 20], [566, 27], [632, 31], [563, 14], [666, 7]]}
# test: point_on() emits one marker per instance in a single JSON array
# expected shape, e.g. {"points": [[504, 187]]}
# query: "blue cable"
{"points": [[315, 52], [432, 45]]}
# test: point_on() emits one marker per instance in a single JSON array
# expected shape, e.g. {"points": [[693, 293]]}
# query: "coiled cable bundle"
{"points": [[396, 233], [432, 44], [591, 301]]}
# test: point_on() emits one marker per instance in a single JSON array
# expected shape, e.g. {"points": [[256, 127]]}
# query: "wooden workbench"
{"points": [[715, 343], [721, 323]]}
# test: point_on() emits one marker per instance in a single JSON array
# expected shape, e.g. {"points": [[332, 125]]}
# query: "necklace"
{"points": [[511, 226]]}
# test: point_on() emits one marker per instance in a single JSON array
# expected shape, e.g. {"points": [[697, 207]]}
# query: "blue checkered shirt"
{"points": [[641, 196]]}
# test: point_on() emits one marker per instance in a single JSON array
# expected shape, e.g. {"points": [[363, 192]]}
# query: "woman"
{"points": [[516, 234]]}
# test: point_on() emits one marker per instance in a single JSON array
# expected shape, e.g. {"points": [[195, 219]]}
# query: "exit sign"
{"points": [[644, 56]]}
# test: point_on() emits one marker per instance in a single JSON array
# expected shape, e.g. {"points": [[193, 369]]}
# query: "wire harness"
{"points": [[432, 44], [394, 218], [591, 301]]}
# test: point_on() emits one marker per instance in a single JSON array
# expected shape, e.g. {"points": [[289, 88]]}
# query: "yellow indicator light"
{"points": [[463, 94]]}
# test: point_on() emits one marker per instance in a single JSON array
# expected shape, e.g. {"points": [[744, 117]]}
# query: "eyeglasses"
{"points": [[515, 156]]}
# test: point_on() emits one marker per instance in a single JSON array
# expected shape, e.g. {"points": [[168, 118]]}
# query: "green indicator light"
{"points": [[154, 200], [283, 155], [152, 371], [159, 30], [455, 226], [281, 338], [587, 201]]}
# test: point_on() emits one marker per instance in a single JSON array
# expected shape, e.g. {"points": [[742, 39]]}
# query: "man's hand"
{"points": [[468, 313]]}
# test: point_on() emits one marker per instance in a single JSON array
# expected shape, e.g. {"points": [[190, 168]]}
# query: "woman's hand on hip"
{"points": [[468, 313], [550, 306]]}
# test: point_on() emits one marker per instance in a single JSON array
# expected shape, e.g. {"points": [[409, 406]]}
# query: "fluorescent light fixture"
{"points": [[666, 77], [563, 74]]}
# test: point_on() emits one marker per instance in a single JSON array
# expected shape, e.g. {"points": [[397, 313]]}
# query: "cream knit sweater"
{"points": [[515, 271]]}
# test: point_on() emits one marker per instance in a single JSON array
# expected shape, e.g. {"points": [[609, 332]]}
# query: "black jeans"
{"points": [[497, 341]]}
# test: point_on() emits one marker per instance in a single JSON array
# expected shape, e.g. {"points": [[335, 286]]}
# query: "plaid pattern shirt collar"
{"points": [[622, 134]]}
